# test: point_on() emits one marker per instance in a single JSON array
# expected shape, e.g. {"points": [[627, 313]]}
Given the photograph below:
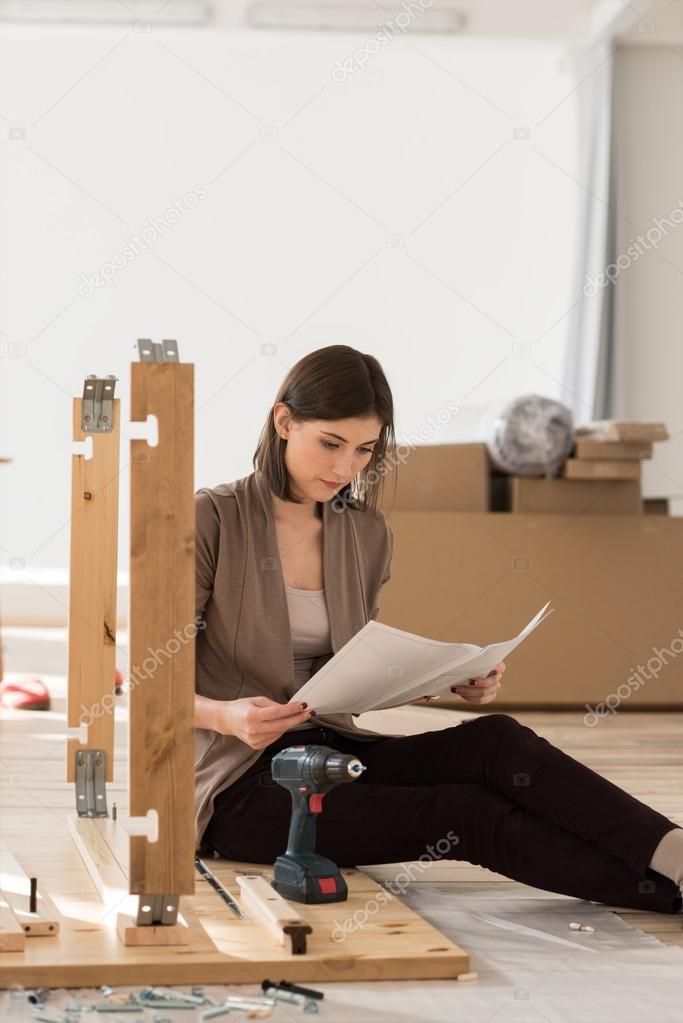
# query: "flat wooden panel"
{"points": [[92, 590], [616, 582], [393, 944], [162, 629]]}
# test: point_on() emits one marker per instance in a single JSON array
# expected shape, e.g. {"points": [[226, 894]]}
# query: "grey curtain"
{"points": [[590, 376]]}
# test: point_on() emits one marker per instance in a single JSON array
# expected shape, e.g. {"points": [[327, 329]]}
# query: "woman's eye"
{"points": [[329, 444]]}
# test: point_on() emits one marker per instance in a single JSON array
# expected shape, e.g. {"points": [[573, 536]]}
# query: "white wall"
{"points": [[649, 293], [394, 211]]}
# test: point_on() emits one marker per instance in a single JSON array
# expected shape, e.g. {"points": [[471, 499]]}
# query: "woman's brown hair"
{"points": [[336, 382]]}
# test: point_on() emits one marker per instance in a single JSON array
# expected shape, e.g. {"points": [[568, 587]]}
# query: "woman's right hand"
{"points": [[258, 721]]}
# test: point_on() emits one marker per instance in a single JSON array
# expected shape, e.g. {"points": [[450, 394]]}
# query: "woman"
{"points": [[290, 563]]}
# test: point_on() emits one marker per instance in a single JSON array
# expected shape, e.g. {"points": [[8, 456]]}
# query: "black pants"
{"points": [[489, 791]]}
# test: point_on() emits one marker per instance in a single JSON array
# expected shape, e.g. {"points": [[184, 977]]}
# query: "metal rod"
{"points": [[218, 887]]}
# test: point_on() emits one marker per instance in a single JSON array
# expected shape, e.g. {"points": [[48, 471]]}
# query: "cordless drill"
{"points": [[309, 772]]}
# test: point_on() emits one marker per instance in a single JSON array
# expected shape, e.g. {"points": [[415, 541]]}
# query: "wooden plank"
{"points": [[162, 622], [278, 916], [43, 923], [131, 933], [90, 836], [92, 591], [16, 892], [12, 937]]}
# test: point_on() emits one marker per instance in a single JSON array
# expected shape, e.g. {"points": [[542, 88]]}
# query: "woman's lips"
{"points": [[332, 486]]}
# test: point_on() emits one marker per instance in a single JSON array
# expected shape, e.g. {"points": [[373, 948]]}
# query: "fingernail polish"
{"points": [[303, 706], [312, 713], [473, 682], [492, 672]]}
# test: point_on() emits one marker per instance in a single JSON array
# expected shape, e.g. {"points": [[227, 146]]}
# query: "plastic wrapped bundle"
{"points": [[532, 436]]}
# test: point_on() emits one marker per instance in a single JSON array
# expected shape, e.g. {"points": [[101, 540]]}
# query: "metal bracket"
{"points": [[157, 909], [97, 407], [91, 792], [158, 351]]}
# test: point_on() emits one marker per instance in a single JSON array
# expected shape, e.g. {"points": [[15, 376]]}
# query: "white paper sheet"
{"points": [[383, 667]]}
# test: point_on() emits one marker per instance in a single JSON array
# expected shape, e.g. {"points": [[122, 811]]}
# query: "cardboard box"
{"points": [[628, 430], [579, 469], [574, 497], [613, 450], [440, 477], [615, 581]]}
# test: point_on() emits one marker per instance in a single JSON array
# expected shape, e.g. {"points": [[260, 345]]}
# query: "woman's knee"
{"points": [[497, 732], [495, 724]]}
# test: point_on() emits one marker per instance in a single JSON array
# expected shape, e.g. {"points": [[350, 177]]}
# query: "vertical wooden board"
{"points": [[162, 629], [92, 591]]}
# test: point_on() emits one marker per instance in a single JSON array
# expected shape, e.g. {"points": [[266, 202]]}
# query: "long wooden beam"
{"points": [[92, 591], [162, 630]]}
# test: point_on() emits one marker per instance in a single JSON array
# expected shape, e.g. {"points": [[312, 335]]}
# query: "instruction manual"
{"points": [[384, 667]]}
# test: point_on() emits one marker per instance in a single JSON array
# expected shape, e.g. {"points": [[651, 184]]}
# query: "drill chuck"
{"points": [[317, 766]]}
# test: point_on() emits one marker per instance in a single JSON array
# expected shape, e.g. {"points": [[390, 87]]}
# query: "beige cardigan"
{"points": [[245, 648]]}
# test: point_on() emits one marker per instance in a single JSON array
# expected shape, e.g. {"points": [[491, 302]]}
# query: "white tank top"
{"points": [[310, 628]]}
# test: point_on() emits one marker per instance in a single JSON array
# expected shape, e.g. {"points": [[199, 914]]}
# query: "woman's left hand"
{"points": [[481, 689]]}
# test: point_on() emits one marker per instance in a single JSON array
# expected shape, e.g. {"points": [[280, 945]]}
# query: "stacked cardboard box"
{"points": [[602, 477], [612, 449]]}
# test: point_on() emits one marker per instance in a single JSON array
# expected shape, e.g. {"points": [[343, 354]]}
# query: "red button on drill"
{"points": [[316, 802], [327, 885]]}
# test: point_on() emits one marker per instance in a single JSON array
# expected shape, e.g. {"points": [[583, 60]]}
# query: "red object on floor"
{"points": [[24, 694]]}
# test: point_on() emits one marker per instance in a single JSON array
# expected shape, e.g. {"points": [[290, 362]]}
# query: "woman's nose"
{"points": [[343, 468]]}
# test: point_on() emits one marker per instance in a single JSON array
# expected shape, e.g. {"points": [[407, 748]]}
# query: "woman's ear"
{"points": [[281, 419]]}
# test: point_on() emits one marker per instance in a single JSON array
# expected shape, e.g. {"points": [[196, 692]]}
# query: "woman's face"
{"points": [[322, 451]]}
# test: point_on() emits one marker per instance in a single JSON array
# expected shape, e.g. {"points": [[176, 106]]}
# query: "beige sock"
{"points": [[667, 858]]}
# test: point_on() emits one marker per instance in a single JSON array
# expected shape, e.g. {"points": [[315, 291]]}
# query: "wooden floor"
{"points": [[641, 752]]}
